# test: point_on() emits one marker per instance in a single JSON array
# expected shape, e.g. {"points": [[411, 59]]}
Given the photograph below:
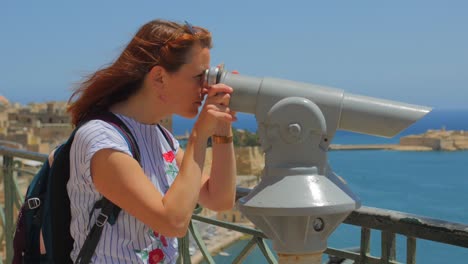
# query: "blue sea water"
{"points": [[431, 184]]}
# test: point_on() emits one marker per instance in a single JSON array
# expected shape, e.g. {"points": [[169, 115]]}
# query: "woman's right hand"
{"points": [[215, 111]]}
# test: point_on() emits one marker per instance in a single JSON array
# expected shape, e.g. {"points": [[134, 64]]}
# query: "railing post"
{"points": [[388, 247], [9, 203], [410, 250], [201, 244], [365, 244], [184, 253]]}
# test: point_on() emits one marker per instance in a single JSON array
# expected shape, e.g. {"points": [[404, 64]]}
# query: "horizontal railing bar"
{"points": [[410, 225], [25, 171], [227, 225], [354, 256], [19, 153]]}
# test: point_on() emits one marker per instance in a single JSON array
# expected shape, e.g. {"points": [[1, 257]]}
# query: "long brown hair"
{"points": [[158, 42]]}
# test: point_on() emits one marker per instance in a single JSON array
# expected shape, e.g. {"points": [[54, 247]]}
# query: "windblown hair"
{"points": [[158, 42]]}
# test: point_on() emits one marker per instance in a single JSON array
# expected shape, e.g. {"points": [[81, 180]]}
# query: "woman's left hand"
{"points": [[215, 116], [223, 128]]}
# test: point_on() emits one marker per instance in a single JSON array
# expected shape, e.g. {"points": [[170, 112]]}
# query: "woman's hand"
{"points": [[215, 115]]}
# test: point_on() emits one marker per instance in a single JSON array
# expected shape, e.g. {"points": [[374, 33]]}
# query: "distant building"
{"points": [[37, 114], [38, 127]]}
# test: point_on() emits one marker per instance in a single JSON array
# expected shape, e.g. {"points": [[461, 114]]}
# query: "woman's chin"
{"points": [[190, 115]]}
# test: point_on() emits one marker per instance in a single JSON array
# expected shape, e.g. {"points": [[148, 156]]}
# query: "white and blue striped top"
{"points": [[128, 240]]}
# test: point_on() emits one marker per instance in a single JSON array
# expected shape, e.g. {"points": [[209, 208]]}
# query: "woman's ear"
{"points": [[157, 75]]}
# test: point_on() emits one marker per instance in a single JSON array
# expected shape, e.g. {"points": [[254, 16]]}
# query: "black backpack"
{"points": [[47, 208]]}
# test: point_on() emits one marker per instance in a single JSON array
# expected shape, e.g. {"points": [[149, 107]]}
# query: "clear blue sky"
{"points": [[410, 51]]}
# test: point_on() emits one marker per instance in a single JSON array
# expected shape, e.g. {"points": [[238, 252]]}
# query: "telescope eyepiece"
{"points": [[212, 75]]}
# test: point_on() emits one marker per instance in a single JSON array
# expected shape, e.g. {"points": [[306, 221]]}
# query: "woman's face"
{"points": [[184, 87]]}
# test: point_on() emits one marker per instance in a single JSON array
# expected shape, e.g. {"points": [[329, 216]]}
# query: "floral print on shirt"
{"points": [[160, 251], [157, 252], [171, 166]]}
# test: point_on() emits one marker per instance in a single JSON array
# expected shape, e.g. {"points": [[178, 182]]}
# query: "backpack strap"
{"points": [[109, 211], [167, 137], [118, 124], [87, 250]]}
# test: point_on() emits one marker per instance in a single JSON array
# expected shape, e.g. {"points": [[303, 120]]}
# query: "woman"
{"points": [[158, 74]]}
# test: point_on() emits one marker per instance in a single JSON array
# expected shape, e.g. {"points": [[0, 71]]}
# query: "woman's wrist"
{"points": [[223, 130], [221, 139], [223, 134]]}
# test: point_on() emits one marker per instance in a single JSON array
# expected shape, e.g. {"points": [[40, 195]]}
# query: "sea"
{"points": [[432, 184]]}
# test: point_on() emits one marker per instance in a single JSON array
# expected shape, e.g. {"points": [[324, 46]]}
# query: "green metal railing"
{"points": [[389, 223]]}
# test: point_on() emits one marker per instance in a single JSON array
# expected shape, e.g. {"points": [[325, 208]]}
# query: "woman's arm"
{"points": [[219, 191], [120, 178]]}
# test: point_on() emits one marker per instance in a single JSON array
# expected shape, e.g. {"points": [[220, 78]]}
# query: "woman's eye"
{"points": [[199, 79]]}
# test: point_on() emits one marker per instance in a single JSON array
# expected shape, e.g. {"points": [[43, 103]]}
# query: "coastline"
{"points": [[397, 147]]}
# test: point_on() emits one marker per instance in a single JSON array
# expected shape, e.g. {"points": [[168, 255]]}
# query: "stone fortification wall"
{"points": [[438, 140], [433, 143], [249, 160], [461, 142]]}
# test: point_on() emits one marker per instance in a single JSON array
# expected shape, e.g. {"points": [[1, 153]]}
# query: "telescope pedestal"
{"points": [[315, 258], [299, 201]]}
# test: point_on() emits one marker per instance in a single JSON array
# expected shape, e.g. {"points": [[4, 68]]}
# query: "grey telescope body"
{"points": [[356, 113], [300, 200]]}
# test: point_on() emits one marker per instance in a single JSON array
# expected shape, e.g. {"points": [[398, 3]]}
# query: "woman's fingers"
{"points": [[221, 112], [221, 116], [218, 88], [221, 98]]}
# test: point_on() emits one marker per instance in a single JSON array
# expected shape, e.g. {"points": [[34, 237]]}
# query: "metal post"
{"points": [[388, 246], [411, 250], [365, 244], [184, 256], [9, 203], [300, 258]]}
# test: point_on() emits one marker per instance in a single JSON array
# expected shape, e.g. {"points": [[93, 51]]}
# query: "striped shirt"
{"points": [[128, 240]]}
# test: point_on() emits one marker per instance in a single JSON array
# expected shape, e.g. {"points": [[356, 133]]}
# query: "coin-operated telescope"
{"points": [[300, 200]]}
